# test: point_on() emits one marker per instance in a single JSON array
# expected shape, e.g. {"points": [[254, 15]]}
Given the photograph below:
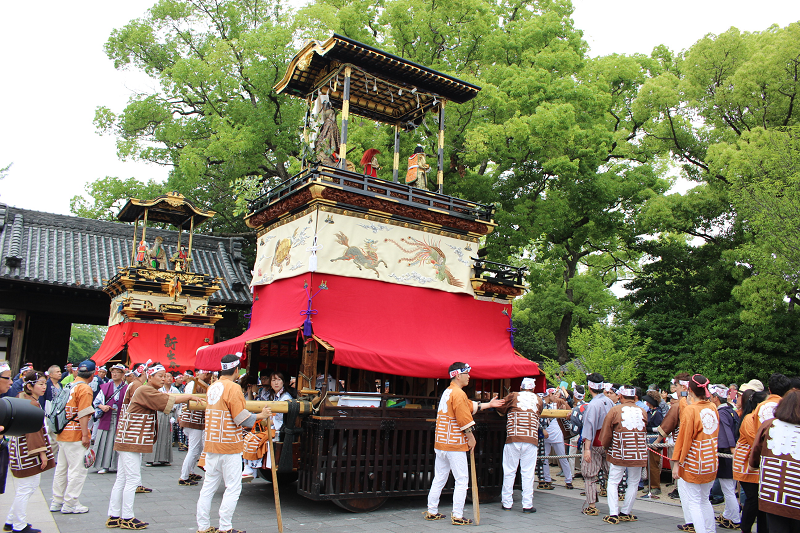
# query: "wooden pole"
{"points": [[476, 505], [275, 478], [189, 253], [255, 406], [396, 161], [345, 117], [305, 133], [440, 171], [144, 228], [133, 250]]}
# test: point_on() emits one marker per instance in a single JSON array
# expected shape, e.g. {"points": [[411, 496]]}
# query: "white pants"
{"points": [[129, 476], [220, 467], [195, 437], [446, 462], [696, 507], [731, 511], [17, 515], [615, 474], [522, 454], [70, 474], [558, 447]]}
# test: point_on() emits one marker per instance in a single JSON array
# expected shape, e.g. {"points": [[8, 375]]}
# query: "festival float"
{"points": [[368, 285], [160, 307]]}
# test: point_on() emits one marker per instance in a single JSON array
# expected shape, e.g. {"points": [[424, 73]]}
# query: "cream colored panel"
{"points": [[362, 248], [282, 250]]}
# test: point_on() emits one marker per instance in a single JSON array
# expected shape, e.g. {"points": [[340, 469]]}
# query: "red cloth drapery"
{"points": [[172, 345], [387, 327]]}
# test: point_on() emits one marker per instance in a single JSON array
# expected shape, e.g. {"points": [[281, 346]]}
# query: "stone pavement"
{"points": [[170, 508]]}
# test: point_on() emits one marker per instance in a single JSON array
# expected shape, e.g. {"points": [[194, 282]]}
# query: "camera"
{"points": [[19, 417]]}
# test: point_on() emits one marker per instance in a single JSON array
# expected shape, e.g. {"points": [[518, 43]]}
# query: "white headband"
{"points": [[578, 395], [680, 382], [4, 366], [466, 369], [528, 383], [627, 392], [119, 367], [232, 364], [155, 369], [139, 370], [719, 390], [595, 385], [608, 386]]}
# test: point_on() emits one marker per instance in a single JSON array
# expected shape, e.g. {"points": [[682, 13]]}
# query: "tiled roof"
{"points": [[62, 250]]}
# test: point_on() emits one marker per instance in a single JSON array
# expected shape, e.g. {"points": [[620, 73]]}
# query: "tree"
{"points": [[108, 195], [763, 168], [84, 341], [614, 352], [214, 118]]}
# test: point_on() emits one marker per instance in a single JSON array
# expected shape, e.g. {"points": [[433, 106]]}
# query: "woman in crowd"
{"points": [[30, 455], [776, 453], [746, 476], [695, 456]]}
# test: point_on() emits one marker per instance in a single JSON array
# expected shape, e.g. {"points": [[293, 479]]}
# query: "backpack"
{"points": [[57, 411]]}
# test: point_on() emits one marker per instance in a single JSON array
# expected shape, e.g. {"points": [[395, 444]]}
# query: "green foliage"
{"points": [[106, 196], [614, 352], [84, 341]]}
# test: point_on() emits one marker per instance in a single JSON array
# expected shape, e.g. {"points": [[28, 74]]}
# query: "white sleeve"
{"points": [[99, 400]]}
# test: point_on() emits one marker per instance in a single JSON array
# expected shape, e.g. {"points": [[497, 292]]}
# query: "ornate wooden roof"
{"points": [[383, 87], [172, 208]]}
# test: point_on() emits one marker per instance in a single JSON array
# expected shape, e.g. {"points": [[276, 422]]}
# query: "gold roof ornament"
{"points": [[171, 208]]}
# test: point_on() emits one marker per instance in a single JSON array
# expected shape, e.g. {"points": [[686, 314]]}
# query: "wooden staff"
{"points": [[275, 476], [255, 406], [556, 413], [476, 505]]}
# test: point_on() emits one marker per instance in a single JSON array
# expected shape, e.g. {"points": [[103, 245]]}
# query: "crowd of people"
{"points": [[710, 434], [744, 440], [114, 420]]}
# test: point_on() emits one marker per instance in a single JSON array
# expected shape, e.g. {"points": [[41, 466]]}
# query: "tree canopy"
{"points": [[577, 153]]}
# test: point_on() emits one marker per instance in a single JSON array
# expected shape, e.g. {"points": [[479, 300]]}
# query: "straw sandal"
{"points": [[611, 519], [628, 517], [590, 511], [430, 516], [112, 522], [460, 521], [689, 528]]}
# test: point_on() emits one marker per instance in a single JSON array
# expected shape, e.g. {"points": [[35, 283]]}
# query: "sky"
{"points": [[55, 74]]}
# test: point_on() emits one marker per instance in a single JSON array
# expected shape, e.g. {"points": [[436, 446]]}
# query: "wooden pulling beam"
{"points": [[556, 413], [255, 406]]}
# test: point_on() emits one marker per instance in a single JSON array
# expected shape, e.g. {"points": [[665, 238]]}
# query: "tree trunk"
{"points": [[564, 328]]}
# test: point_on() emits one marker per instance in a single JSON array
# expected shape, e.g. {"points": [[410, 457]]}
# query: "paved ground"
{"points": [[171, 508]]}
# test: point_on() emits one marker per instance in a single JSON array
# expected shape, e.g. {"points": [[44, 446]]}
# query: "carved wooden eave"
{"points": [[172, 208], [158, 281], [406, 90]]}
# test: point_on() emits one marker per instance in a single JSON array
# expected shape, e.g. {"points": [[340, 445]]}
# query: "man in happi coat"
{"points": [[594, 459], [522, 410], [624, 438], [454, 437], [109, 402], [70, 474], [669, 424], [226, 415], [193, 424], [136, 435]]}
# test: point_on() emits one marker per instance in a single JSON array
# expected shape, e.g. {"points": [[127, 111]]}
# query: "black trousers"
{"points": [[750, 512], [781, 524]]}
